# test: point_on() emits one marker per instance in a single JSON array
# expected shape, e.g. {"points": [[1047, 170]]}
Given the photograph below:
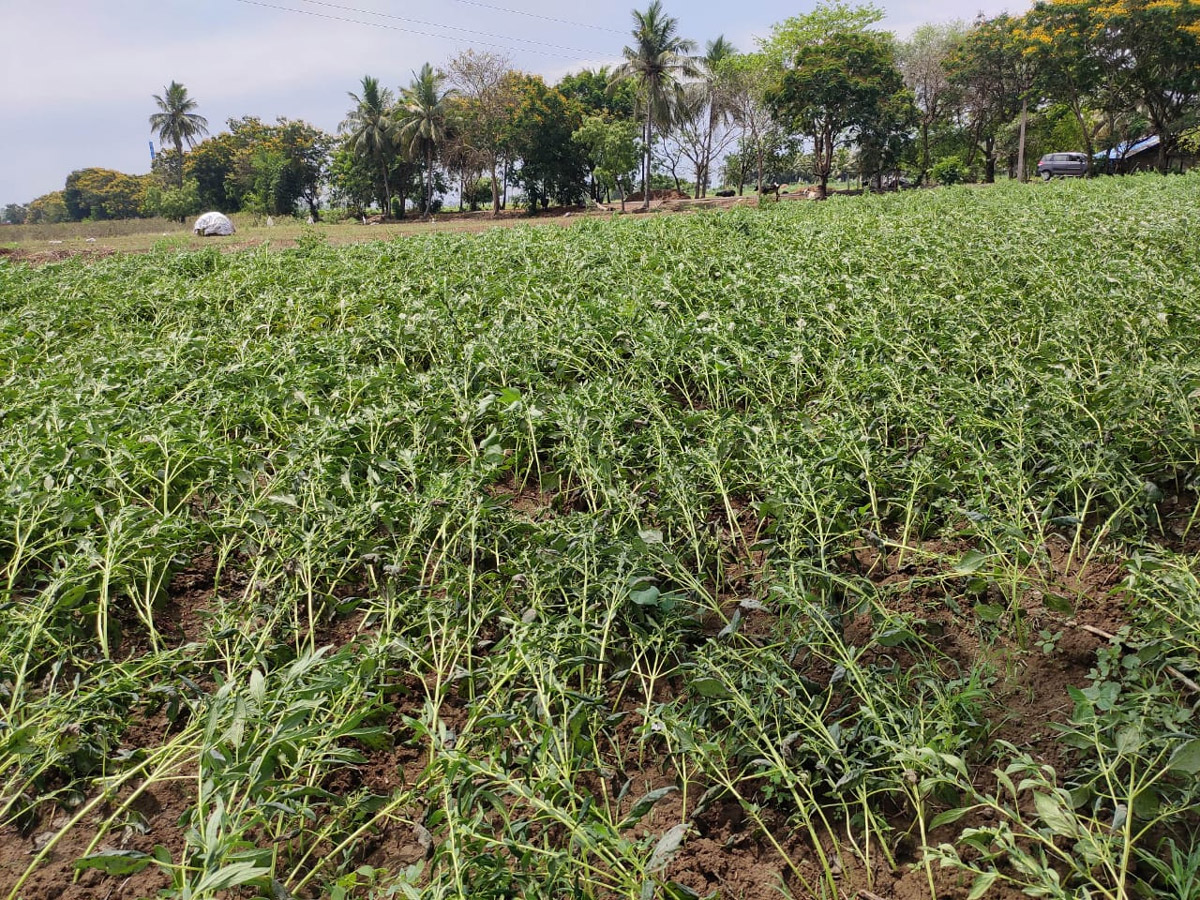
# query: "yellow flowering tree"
{"points": [[1152, 50]]}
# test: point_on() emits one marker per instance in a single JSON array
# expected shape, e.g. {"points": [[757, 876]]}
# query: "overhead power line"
{"points": [[442, 36], [488, 34], [544, 18]]}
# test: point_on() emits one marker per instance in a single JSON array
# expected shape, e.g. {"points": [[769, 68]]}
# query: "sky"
{"points": [[77, 77]]}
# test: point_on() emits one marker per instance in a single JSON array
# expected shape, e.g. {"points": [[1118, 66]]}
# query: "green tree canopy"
{"points": [[552, 165], [48, 209], [485, 100], [422, 120], [1152, 49], [369, 130], [922, 61], [597, 95], [989, 66], [104, 194], [843, 88], [15, 214], [612, 147], [176, 121], [656, 63], [173, 202]]}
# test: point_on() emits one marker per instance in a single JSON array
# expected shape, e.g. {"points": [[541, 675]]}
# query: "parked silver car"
{"points": [[1062, 164]]}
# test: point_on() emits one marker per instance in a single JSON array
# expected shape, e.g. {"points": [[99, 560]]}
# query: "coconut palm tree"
{"points": [[720, 100], [370, 130], [422, 120], [708, 104], [656, 62], [175, 121]]}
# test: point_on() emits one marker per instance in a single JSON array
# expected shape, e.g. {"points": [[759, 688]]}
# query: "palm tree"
{"points": [[720, 100], [423, 120], [656, 62], [370, 130], [175, 121], [710, 97]]}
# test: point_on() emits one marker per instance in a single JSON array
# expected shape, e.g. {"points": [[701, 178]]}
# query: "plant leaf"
{"points": [[233, 875], [644, 805], [1186, 760], [666, 848], [982, 884], [116, 862], [948, 817], [712, 688], [1054, 815], [971, 562]]}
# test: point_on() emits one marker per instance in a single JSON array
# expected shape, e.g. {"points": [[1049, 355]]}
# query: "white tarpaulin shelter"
{"points": [[213, 223]]}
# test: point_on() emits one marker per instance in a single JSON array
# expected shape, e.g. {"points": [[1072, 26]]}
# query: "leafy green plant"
{"points": [[949, 170], [520, 564]]}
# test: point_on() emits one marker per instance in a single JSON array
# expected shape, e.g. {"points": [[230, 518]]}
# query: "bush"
{"points": [[949, 170], [479, 193], [176, 203]]}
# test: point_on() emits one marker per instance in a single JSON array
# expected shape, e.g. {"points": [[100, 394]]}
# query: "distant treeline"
{"points": [[826, 96]]}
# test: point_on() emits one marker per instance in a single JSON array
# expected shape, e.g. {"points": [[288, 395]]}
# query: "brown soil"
{"points": [[529, 499], [41, 257], [155, 819], [656, 194], [1031, 684], [725, 851]]}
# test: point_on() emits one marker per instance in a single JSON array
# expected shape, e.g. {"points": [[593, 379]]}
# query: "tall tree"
{"points": [[705, 111], [308, 151], [552, 165], [422, 120], [486, 85], [843, 88], [922, 59], [15, 214], [369, 128], [656, 63], [747, 78], [48, 209], [612, 147], [1154, 47], [176, 122], [990, 68], [1058, 40], [104, 194]]}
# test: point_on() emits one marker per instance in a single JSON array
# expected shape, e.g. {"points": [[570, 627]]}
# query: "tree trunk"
{"points": [[428, 179], [406, 178], [974, 148], [823, 163], [495, 192], [649, 138], [924, 151], [758, 150], [387, 190], [1086, 134], [1021, 174], [179, 158], [989, 155]]}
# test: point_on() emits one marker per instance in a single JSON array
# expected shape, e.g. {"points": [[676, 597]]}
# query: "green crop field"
{"points": [[843, 550]]}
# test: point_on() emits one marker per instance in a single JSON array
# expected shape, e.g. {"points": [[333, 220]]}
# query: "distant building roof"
{"points": [[1130, 148]]}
